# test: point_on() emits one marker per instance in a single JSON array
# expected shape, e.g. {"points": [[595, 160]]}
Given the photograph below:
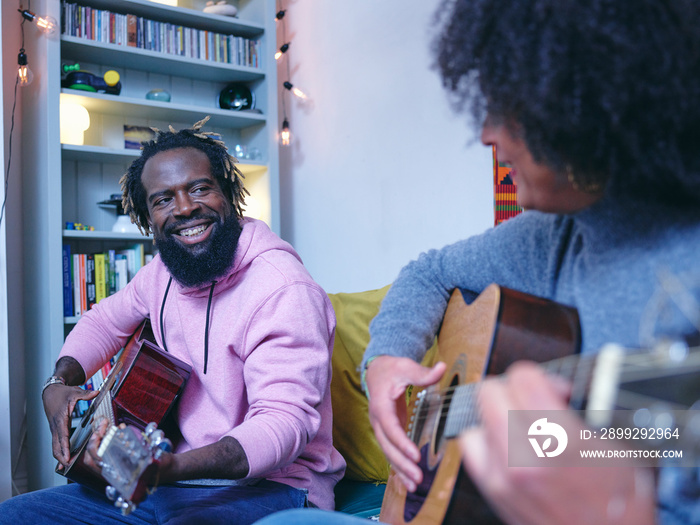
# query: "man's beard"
{"points": [[193, 269]]}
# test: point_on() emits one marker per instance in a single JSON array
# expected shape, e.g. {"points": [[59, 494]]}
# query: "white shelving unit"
{"points": [[63, 183]]}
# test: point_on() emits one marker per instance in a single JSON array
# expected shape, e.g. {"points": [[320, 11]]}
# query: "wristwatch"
{"points": [[52, 381]]}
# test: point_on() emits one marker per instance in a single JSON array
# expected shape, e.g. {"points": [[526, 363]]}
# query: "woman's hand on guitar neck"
{"points": [[387, 379], [547, 495]]}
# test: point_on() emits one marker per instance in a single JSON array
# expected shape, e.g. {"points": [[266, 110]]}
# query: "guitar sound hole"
{"points": [[430, 452]]}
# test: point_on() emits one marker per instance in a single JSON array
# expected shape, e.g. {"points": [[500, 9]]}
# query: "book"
{"points": [[111, 275], [68, 310], [81, 284], [90, 289], [75, 268], [100, 277], [121, 271]]}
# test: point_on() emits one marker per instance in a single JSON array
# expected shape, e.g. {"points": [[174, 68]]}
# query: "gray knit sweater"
{"points": [[604, 261]]}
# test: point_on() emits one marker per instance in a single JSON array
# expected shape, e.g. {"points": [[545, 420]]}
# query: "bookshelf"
{"points": [[63, 182]]}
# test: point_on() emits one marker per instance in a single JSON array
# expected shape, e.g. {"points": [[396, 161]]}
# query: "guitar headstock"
{"points": [[129, 459], [654, 393]]}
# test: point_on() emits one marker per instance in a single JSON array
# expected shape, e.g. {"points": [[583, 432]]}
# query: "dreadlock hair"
{"points": [[607, 89], [223, 169]]}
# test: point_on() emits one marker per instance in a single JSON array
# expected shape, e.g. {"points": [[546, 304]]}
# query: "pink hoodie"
{"points": [[267, 383]]}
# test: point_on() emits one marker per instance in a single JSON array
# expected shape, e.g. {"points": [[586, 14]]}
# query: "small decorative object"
{"points": [[505, 192], [220, 8], [79, 227], [123, 224], [85, 81], [135, 135], [236, 96], [158, 94]]}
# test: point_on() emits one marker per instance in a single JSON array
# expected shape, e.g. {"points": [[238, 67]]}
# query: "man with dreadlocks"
{"points": [[234, 301]]}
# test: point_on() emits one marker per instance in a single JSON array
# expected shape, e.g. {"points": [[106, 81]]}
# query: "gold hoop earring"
{"points": [[584, 186]]}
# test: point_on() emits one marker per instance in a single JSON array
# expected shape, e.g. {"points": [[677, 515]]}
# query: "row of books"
{"points": [[135, 31], [90, 277]]}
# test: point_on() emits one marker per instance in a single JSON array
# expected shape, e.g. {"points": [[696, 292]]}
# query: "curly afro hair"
{"points": [[223, 169], [607, 89]]}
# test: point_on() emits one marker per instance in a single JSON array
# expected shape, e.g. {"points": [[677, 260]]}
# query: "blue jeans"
{"points": [[170, 505]]}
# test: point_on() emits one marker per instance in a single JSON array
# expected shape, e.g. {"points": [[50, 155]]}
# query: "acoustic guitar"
{"points": [[142, 388], [483, 338]]}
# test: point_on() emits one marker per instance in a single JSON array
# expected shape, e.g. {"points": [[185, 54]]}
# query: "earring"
{"points": [[584, 185]]}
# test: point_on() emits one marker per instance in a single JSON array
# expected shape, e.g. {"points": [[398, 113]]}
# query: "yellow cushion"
{"points": [[352, 433]]}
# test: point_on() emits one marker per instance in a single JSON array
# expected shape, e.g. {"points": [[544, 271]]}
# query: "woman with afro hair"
{"points": [[595, 106]]}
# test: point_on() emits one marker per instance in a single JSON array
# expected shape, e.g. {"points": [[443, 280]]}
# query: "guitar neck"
{"points": [[612, 379]]}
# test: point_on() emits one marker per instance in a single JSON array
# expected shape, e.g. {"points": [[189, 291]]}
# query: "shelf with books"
{"points": [[249, 22], [82, 50]]}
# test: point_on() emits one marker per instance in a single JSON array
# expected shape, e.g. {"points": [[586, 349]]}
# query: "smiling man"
{"points": [[234, 301]]}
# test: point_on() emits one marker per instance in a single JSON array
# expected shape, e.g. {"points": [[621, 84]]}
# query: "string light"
{"points": [[46, 24], [295, 90], [24, 74], [285, 134], [282, 50]]}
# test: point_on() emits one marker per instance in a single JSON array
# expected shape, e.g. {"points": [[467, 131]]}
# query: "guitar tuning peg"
{"points": [[150, 428], [111, 493]]}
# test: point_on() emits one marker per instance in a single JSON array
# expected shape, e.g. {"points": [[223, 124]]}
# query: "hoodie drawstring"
{"points": [[162, 309], [206, 327]]}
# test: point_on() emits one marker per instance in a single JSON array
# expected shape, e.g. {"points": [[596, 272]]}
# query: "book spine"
{"points": [[68, 309], [100, 277], [76, 284], [90, 290]]}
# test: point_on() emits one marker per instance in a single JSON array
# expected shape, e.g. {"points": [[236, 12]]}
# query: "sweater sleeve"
{"points": [[520, 253], [287, 374]]}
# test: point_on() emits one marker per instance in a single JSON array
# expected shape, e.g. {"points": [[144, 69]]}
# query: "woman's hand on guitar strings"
{"points": [[387, 379], [59, 402], [546, 495]]}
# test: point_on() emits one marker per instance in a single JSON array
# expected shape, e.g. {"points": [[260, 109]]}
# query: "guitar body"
{"points": [[142, 387], [500, 327]]}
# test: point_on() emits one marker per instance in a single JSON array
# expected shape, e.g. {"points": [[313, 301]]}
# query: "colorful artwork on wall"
{"points": [[504, 192]]}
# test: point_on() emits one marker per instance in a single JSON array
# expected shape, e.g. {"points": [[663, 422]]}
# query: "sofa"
{"points": [[361, 490]]}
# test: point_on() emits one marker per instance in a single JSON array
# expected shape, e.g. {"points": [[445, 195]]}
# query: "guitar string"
{"points": [[577, 368]]}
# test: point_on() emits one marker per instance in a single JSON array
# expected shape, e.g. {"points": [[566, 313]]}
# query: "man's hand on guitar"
{"points": [[547, 495], [387, 379], [59, 402]]}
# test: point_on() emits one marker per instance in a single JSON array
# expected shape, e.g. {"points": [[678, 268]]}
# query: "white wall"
{"points": [[13, 473], [381, 168]]}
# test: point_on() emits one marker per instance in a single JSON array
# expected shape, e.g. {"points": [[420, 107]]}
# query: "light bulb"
{"points": [[297, 92], [24, 74], [282, 50], [75, 120], [46, 24], [285, 134]]}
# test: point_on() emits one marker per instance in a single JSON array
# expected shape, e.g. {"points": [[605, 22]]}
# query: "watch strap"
{"points": [[53, 380]]}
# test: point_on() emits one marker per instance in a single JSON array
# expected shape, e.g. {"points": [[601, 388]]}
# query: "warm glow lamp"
{"points": [[297, 92], [46, 24], [285, 134], [24, 74], [75, 119], [282, 50]]}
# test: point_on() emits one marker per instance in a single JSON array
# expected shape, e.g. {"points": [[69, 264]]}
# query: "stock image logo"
{"points": [[540, 435]]}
